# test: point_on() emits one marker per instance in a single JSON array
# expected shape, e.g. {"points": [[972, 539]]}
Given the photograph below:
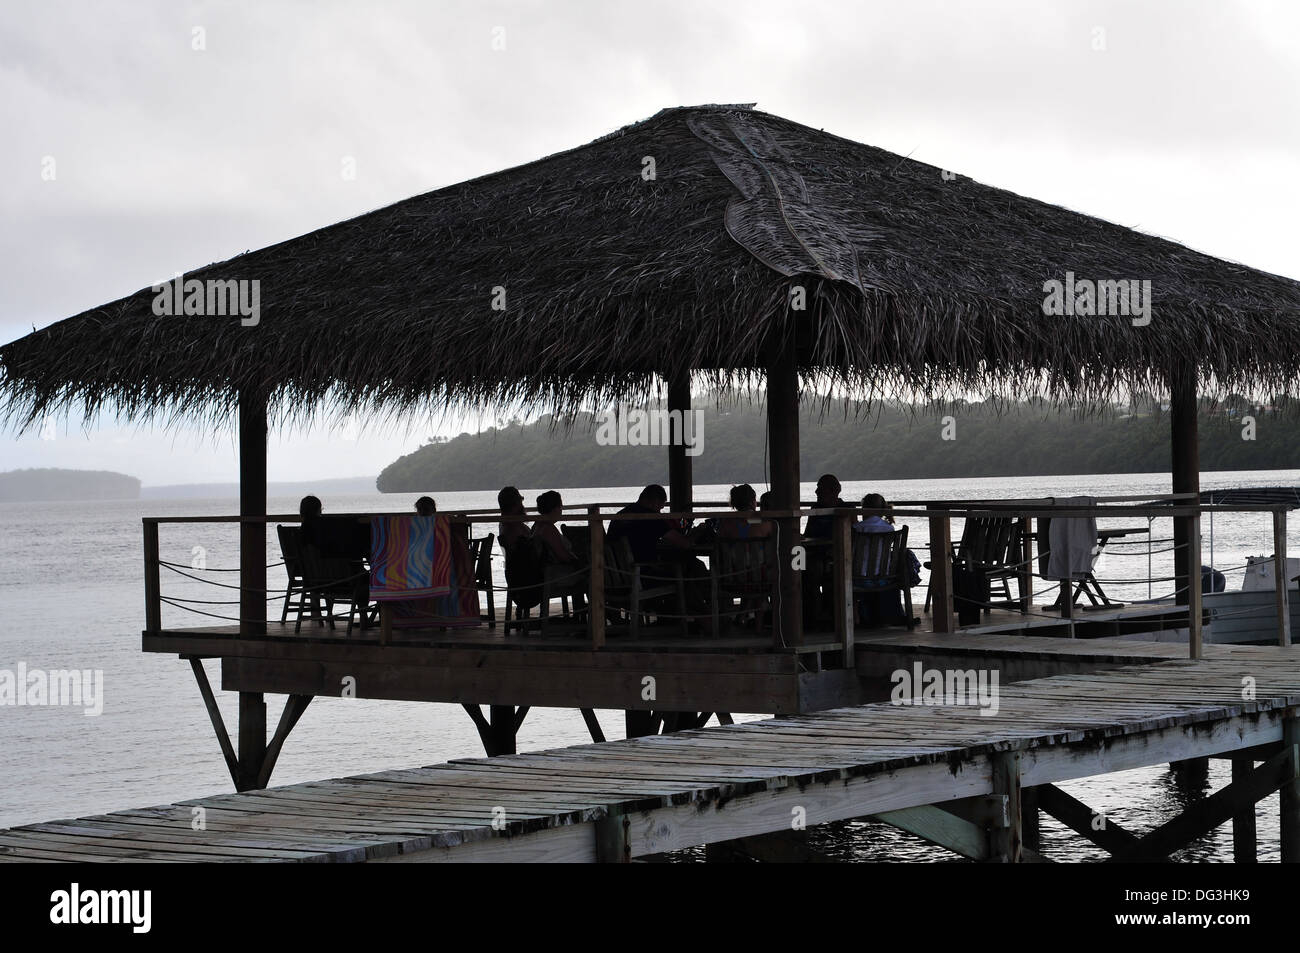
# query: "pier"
{"points": [[972, 783], [772, 262]]}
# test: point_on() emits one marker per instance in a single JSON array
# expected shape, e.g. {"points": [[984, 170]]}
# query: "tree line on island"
{"points": [[883, 442]]}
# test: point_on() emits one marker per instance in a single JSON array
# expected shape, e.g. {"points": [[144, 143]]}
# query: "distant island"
{"points": [[889, 442], [220, 491], [41, 485]]}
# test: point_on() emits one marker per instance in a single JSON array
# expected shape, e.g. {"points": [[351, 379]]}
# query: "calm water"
{"points": [[71, 595]]}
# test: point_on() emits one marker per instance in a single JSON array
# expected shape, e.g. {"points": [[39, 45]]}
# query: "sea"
{"points": [[71, 597]]}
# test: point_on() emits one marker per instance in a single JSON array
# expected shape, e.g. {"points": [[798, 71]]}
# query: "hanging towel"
{"points": [[1072, 541], [410, 557], [458, 609]]}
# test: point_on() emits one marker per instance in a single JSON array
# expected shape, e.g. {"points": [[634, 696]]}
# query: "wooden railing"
{"points": [[938, 514]]}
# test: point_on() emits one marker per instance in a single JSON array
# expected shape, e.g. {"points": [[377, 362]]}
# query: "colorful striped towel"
{"points": [[458, 609], [410, 557]]}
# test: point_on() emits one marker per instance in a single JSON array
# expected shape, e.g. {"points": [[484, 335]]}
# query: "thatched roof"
{"points": [[916, 282]]}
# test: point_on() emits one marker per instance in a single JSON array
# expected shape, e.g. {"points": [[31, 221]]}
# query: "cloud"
{"points": [[169, 157]]}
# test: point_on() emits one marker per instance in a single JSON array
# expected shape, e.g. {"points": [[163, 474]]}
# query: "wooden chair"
{"points": [[295, 595], [333, 579], [743, 569], [991, 547], [626, 584], [480, 551], [880, 566], [525, 580]]}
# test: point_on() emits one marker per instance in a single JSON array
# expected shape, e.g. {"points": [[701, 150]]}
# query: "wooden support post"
{"points": [[252, 507], [252, 739], [152, 582], [1029, 819], [1186, 470], [1244, 837], [498, 731], [679, 463], [842, 557], [941, 573], [783, 448], [1194, 648], [1289, 801], [1280, 594], [639, 723], [502, 718], [596, 589], [1005, 843], [613, 846], [1025, 574]]}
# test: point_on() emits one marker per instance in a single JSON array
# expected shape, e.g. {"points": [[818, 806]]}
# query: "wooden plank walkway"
{"points": [[672, 791]]}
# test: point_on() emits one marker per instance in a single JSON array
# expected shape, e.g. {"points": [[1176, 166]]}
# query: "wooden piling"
{"points": [[596, 589], [783, 443], [1280, 594], [1006, 841], [1289, 799], [152, 581], [1244, 836], [941, 573], [680, 490], [843, 589]]}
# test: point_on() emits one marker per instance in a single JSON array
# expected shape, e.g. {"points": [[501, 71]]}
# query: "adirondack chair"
{"points": [[743, 569], [880, 568], [990, 547]]}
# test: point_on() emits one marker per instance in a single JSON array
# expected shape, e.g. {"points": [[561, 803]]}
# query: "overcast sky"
{"points": [[1178, 118]]}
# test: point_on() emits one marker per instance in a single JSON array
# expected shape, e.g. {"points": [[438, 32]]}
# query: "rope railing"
{"points": [[576, 581]]}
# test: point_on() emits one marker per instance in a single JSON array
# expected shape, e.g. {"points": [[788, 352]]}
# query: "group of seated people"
{"points": [[666, 543], [672, 544]]}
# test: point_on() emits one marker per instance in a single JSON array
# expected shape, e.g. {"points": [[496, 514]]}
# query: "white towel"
{"points": [[1072, 542]]}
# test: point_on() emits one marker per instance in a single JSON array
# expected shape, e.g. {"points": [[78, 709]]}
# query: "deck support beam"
{"points": [[783, 451], [252, 740], [1223, 805], [1083, 820], [500, 729], [1289, 801], [252, 574], [1006, 840], [218, 723], [1185, 470], [680, 491], [250, 769], [1282, 583], [1245, 839], [294, 706], [593, 725]]}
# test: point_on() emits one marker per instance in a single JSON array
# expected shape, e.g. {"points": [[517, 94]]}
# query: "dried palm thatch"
{"points": [[916, 282]]}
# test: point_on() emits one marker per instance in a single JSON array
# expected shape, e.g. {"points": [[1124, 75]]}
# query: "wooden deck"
{"points": [[639, 797], [741, 672]]}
